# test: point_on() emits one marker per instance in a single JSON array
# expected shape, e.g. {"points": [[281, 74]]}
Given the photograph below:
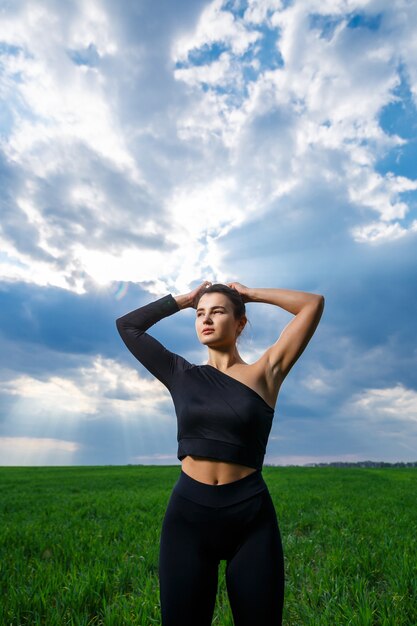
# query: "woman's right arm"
{"points": [[157, 359]]}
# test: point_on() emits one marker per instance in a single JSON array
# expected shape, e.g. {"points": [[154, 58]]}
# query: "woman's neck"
{"points": [[224, 360]]}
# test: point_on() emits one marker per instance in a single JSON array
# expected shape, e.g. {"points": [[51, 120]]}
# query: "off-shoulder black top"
{"points": [[218, 416]]}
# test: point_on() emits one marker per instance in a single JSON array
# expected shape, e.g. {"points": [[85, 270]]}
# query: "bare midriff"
{"points": [[214, 472]]}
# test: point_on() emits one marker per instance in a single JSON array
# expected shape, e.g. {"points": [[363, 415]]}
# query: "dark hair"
{"points": [[234, 296]]}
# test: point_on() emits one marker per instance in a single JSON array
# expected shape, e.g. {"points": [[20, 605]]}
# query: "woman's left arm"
{"points": [[307, 308]]}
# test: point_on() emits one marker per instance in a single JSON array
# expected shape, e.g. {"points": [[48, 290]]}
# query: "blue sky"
{"points": [[148, 146]]}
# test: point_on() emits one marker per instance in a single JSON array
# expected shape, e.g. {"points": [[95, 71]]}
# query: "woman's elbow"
{"points": [[119, 324]]}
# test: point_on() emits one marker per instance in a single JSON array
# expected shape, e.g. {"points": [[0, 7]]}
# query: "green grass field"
{"points": [[79, 545]]}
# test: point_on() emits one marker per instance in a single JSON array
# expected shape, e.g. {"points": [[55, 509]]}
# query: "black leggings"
{"points": [[204, 524]]}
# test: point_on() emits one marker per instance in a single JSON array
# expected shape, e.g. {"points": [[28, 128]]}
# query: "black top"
{"points": [[218, 416]]}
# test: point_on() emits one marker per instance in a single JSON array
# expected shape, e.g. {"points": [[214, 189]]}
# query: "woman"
{"points": [[220, 506]]}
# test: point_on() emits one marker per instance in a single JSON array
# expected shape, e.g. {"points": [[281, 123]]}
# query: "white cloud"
{"points": [[317, 384], [258, 11], [50, 394], [397, 403], [376, 232], [215, 73], [321, 107], [61, 102], [215, 25], [381, 193], [36, 451], [103, 387]]}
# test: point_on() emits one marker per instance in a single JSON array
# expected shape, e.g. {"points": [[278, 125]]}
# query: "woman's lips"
{"points": [[208, 330]]}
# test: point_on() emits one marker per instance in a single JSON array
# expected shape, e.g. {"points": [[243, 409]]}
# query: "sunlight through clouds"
{"points": [[103, 387], [147, 147], [278, 95]]}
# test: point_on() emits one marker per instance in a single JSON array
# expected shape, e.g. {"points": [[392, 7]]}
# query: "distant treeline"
{"points": [[363, 464]]}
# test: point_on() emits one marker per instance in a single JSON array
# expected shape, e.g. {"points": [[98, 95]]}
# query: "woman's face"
{"points": [[215, 314]]}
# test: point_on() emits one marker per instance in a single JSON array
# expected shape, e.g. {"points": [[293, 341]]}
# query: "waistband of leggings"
{"points": [[220, 495]]}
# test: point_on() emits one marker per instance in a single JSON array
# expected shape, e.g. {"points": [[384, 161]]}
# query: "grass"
{"points": [[79, 545]]}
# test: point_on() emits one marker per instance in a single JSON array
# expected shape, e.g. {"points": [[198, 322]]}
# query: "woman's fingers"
{"points": [[198, 291], [241, 289], [238, 286]]}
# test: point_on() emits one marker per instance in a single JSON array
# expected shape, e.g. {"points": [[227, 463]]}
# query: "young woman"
{"points": [[220, 506]]}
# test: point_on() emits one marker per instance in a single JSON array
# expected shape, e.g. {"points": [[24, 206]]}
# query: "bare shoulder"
{"points": [[259, 377]]}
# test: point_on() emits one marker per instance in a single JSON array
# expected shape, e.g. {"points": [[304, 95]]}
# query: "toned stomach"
{"points": [[214, 472]]}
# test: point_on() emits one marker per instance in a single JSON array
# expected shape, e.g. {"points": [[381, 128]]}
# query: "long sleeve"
{"points": [[149, 351]]}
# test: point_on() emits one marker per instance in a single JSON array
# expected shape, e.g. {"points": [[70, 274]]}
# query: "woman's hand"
{"points": [[196, 293], [191, 299], [241, 289]]}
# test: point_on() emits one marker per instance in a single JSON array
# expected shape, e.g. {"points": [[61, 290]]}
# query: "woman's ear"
{"points": [[242, 325]]}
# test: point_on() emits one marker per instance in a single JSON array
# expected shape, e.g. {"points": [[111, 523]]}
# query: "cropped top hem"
{"points": [[218, 450]]}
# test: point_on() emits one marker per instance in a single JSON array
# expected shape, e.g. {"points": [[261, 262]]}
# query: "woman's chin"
{"points": [[208, 338]]}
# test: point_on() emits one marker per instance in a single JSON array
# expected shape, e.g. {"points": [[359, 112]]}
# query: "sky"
{"points": [[146, 146]]}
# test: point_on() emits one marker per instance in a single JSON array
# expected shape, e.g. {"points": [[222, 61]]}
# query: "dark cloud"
{"points": [[47, 329]]}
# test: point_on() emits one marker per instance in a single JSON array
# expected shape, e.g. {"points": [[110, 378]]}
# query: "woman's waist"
{"points": [[220, 495], [213, 471]]}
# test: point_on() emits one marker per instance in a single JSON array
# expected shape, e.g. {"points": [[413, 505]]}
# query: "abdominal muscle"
{"points": [[214, 472]]}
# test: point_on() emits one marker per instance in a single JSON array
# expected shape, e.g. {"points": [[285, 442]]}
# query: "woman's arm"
{"points": [[307, 308], [159, 361], [184, 301], [288, 299]]}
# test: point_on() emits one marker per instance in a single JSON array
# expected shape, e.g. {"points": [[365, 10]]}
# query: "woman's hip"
{"points": [[219, 496]]}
